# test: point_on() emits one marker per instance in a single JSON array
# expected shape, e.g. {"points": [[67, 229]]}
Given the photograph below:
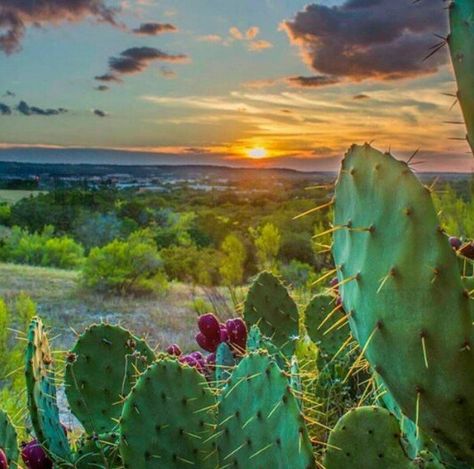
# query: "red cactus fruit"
{"points": [[34, 456], [455, 242], [191, 361], [209, 326], [3, 460], [224, 334], [237, 331], [210, 345], [174, 349]]}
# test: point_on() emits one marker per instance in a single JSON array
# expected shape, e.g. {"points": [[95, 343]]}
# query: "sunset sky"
{"points": [[265, 82]]}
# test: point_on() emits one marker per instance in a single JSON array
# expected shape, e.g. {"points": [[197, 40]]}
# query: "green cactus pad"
{"points": [[225, 361], [271, 308], [366, 438], [260, 424], [461, 46], [100, 372], [8, 440], [328, 337], [98, 452], [168, 420], [41, 391], [404, 295]]}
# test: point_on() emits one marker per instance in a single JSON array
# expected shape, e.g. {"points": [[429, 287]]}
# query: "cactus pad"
{"points": [[101, 370], [41, 391], [366, 438], [325, 333], [461, 46], [404, 295], [260, 424], [168, 419], [225, 361], [8, 440], [270, 307]]}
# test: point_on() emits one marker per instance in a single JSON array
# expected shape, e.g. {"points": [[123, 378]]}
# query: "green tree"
{"points": [[267, 240], [232, 265], [126, 267]]}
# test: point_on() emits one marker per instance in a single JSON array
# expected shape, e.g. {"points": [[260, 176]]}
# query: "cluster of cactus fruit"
{"points": [[394, 331]]}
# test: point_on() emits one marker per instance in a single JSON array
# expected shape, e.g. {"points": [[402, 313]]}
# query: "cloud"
{"points": [[360, 39], [361, 96], [259, 45], [153, 29], [99, 113], [312, 81], [9, 94], [211, 38], [250, 37], [17, 15], [167, 73], [27, 110], [136, 60], [102, 88], [5, 110]]}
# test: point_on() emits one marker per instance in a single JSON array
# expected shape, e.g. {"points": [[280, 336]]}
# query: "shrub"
{"points": [[132, 266], [232, 266], [42, 249]]}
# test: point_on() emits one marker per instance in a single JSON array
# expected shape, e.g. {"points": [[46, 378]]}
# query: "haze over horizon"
{"points": [[278, 83]]}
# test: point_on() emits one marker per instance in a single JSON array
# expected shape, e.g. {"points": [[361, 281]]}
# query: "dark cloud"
{"points": [[361, 96], [99, 113], [153, 29], [313, 81], [17, 15], [102, 87], [27, 110], [382, 39], [9, 94], [136, 60], [5, 110]]}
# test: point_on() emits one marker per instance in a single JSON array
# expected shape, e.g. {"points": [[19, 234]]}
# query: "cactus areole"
{"points": [[403, 292]]}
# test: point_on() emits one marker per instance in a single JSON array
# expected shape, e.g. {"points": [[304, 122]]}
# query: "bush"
{"points": [[42, 249], [126, 267]]}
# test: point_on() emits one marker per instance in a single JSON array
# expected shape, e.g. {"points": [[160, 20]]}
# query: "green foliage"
{"points": [[298, 275], [5, 213], [126, 267], [9, 440], [191, 264], [232, 267], [42, 249], [267, 239]]}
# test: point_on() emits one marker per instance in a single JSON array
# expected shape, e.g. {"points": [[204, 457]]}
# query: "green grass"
{"points": [[13, 196], [68, 309]]}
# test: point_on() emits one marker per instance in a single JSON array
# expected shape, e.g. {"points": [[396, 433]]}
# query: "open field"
{"points": [[66, 308], [13, 196]]}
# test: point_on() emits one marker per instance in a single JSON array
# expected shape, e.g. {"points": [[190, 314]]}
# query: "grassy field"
{"points": [[13, 196], [67, 309]]}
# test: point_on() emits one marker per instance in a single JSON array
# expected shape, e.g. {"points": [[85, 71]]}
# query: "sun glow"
{"points": [[257, 153]]}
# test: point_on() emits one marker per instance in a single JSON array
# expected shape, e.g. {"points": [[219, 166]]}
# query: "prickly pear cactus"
{"points": [[366, 438], [225, 361], [41, 391], [325, 325], [100, 372], [400, 283], [270, 307], [260, 424], [98, 451], [461, 46], [168, 420], [8, 440]]}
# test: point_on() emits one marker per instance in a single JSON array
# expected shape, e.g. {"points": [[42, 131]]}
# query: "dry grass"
{"points": [[66, 308], [13, 196]]}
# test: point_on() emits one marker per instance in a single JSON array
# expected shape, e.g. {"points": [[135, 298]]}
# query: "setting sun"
{"points": [[257, 153]]}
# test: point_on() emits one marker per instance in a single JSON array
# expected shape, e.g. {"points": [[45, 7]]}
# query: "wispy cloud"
{"points": [[154, 29]]}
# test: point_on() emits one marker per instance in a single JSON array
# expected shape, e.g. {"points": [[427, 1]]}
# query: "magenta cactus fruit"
{"points": [[211, 360], [34, 456], [224, 334], [174, 349], [334, 282], [3, 460], [455, 242], [209, 326], [210, 345], [237, 331], [192, 362]]}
